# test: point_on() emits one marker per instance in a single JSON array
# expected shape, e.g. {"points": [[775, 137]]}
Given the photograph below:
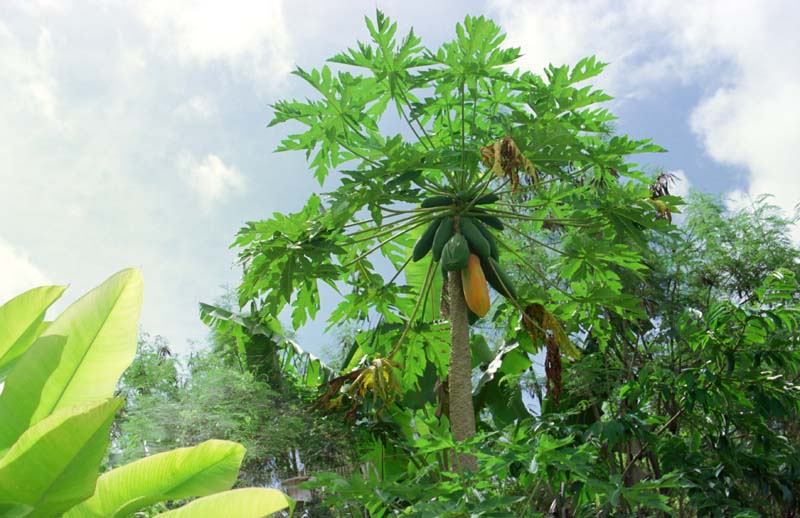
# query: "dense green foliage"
{"points": [[661, 361], [169, 406]]}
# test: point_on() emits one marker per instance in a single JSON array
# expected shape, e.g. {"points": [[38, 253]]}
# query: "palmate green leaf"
{"points": [[202, 470], [476, 52], [389, 62], [54, 464], [21, 321], [387, 59], [241, 503], [342, 126], [287, 253], [79, 358], [586, 68]]}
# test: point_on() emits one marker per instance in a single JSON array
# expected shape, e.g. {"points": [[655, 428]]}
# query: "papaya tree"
{"points": [[450, 160]]}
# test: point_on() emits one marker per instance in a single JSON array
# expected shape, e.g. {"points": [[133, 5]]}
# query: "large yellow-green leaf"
{"points": [[241, 503], [205, 469], [78, 359], [21, 321], [54, 464]]}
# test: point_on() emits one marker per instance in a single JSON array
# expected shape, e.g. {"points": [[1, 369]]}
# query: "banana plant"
{"points": [[57, 407], [491, 162]]}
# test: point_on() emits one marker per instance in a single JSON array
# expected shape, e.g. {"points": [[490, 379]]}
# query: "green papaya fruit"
{"points": [[498, 278], [425, 242], [436, 201], [494, 250], [487, 218], [508, 284], [475, 238], [472, 317], [486, 199], [465, 196], [442, 236], [455, 254]]}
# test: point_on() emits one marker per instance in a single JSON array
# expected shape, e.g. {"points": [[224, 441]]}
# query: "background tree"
{"points": [[172, 405]]}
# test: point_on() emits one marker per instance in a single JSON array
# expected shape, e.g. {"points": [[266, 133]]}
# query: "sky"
{"points": [[134, 133]]}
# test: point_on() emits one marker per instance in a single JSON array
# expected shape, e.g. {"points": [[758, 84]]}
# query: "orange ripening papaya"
{"points": [[476, 291]]}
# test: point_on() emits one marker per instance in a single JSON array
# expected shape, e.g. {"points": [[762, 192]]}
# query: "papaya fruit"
{"points": [[507, 284], [455, 253], [436, 201], [477, 241], [486, 199], [494, 250], [425, 242], [441, 237], [476, 291], [488, 219], [498, 278], [472, 318], [465, 196], [469, 196]]}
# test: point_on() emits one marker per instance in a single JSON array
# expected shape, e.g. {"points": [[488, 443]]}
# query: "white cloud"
{"points": [[17, 273], [562, 32], [756, 124], [212, 179], [91, 125], [251, 37], [742, 56], [198, 107], [27, 75], [682, 185]]}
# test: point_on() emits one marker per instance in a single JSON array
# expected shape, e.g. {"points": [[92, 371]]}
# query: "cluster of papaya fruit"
{"points": [[461, 240]]}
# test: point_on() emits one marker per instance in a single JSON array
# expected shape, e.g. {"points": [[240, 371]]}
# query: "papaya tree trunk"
{"points": [[462, 414]]}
